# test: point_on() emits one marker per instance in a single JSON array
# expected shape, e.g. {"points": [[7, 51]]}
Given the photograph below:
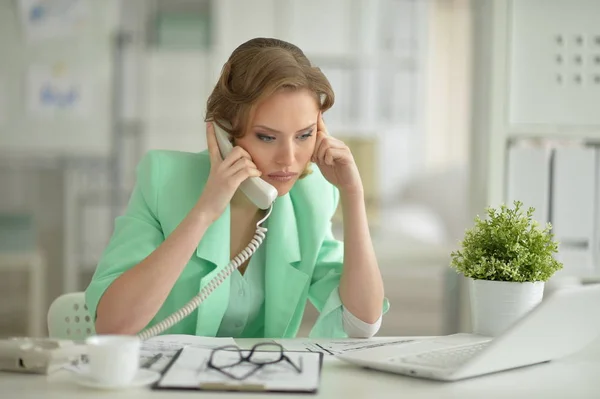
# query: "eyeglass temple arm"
{"points": [[298, 368]]}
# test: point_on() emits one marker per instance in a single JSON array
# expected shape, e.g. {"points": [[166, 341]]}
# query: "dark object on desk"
{"points": [[150, 362]]}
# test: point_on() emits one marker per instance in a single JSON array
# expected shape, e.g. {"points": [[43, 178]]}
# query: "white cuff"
{"points": [[356, 328]]}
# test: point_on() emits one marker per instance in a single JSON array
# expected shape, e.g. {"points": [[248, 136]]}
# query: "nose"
{"points": [[285, 154]]}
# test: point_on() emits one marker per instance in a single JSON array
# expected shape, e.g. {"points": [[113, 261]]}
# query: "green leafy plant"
{"points": [[508, 246]]}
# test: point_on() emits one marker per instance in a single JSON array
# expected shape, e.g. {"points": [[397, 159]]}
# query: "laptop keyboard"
{"points": [[443, 358]]}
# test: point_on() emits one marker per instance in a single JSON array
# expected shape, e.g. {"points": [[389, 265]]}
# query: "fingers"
{"points": [[318, 143], [321, 125], [213, 147], [326, 149], [323, 149], [215, 153], [235, 154], [322, 138], [241, 170], [243, 174], [340, 155], [242, 164]]}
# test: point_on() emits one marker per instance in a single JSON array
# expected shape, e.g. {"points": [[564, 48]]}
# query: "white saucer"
{"points": [[142, 378]]}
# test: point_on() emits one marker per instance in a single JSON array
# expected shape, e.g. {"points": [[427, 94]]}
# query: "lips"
{"points": [[282, 176]]}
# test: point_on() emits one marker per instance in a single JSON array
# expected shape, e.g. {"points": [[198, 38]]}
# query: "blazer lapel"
{"points": [[214, 248], [284, 283]]}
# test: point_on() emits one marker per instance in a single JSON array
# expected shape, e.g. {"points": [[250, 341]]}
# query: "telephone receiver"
{"points": [[261, 193]]}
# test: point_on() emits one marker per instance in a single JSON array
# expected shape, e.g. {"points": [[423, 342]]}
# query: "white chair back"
{"points": [[68, 317]]}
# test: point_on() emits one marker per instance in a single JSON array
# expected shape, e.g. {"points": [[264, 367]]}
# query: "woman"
{"points": [[187, 218]]}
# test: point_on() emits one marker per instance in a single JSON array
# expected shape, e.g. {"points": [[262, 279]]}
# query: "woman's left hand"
{"points": [[336, 162]]}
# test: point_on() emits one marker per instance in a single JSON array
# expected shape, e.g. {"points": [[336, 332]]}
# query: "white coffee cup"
{"points": [[113, 359]]}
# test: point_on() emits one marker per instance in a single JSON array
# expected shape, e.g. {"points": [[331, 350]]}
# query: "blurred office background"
{"points": [[88, 86]]}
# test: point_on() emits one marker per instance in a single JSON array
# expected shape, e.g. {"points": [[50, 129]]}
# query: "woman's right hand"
{"points": [[225, 176]]}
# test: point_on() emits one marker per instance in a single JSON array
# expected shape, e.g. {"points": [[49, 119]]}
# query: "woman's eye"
{"points": [[305, 136], [266, 139]]}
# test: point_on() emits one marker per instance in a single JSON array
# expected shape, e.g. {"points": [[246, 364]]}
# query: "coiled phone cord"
{"points": [[189, 307]]}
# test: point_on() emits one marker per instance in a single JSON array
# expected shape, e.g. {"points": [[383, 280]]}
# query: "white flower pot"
{"points": [[497, 305]]}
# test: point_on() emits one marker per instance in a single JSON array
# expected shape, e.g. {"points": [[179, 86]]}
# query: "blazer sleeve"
{"points": [[136, 234], [324, 288]]}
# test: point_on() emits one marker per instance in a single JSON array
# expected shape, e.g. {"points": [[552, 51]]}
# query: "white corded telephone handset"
{"points": [[42, 355], [262, 194]]}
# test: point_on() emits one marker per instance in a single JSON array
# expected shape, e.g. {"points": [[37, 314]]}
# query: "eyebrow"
{"points": [[278, 132]]}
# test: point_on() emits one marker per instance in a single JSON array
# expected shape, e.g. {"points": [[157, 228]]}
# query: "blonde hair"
{"points": [[254, 71]]}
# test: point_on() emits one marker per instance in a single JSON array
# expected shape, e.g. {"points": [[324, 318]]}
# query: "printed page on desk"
{"points": [[190, 370], [157, 352], [337, 347]]}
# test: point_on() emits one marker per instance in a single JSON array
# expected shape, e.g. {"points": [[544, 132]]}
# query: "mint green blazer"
{"points": [[303, 260]]}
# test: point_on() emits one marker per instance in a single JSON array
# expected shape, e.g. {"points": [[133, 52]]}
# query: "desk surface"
{"points": [[577, 376]]}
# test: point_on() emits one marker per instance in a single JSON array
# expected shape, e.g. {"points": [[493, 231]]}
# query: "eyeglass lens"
{"points": [[265, 354], [226, 357]]}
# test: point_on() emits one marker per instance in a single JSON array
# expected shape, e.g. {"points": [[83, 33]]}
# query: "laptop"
{"points": [[562, 324]]}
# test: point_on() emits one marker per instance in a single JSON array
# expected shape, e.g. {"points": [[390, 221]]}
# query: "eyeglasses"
{"points": [[260, 355]]}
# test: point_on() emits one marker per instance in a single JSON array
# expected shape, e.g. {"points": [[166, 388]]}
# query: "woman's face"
{"points": [[281, 136]]}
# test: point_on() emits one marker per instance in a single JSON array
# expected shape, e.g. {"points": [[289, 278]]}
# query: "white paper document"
{"points": [[337, 347], [157, 352], [296, 372]]}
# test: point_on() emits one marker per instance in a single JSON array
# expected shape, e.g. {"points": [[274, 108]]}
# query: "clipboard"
{"points": [[188, 370]]}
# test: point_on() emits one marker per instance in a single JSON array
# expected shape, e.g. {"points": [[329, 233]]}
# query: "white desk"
{"points": [[575, 377]]}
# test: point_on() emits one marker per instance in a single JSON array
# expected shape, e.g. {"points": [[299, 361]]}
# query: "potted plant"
{"points": [[507, 258]]}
